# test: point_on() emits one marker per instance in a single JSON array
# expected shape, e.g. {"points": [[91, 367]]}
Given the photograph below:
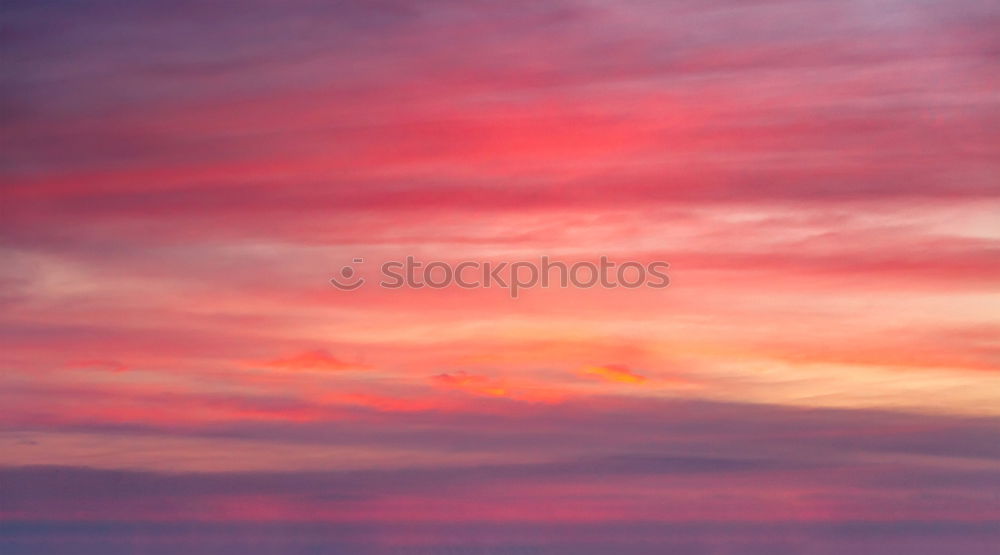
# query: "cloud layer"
{"points": [[182, 180]]}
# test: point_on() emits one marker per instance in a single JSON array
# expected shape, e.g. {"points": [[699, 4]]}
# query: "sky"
{"points": [[182, 179]]}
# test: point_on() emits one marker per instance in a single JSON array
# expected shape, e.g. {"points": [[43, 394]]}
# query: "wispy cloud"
{"points": [[318, 359], [181, 181]]}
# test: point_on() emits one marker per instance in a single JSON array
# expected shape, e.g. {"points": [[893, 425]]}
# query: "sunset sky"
{"points": [[182, 179]]}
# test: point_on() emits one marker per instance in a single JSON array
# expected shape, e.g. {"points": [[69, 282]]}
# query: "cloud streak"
{"points": [[181, 182]]}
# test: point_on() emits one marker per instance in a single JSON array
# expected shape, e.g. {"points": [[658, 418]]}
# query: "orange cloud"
{"points": [[493, 387], [613, 373], [312, 360], [481, 385]]}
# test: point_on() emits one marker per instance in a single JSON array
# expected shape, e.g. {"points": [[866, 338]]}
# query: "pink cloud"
{"points": [[312, 360]]}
